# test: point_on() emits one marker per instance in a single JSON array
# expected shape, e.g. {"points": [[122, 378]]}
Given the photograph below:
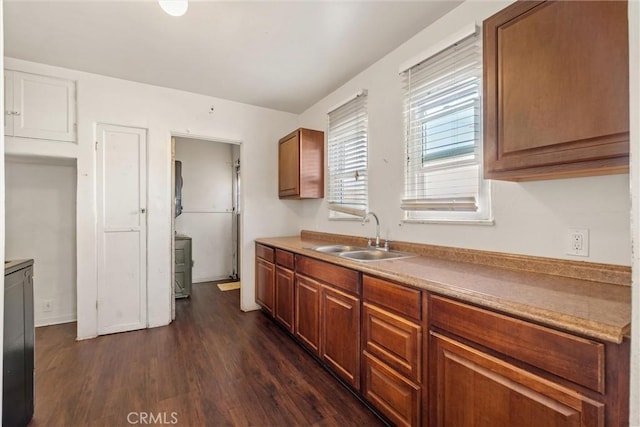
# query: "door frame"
{"points": [[172, 231], [634, 111]]}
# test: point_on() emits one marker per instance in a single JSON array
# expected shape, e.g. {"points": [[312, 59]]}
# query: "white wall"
{"points": [[1, 177], [207, 206], [634, 86], [165, 111], [40, 224], [530, 218]]}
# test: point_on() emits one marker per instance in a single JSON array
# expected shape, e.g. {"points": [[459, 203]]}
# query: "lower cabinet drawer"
{"points": [[285, 259], [265, 252], [397, 298], [392, 394], [394, 340], [331, 274]]}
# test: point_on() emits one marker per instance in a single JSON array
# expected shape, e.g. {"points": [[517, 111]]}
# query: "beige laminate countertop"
{"points": [[594, 309]]}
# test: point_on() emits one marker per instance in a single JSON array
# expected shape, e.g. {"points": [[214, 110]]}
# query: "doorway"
{"points": [[206, 206], [40, 217]]}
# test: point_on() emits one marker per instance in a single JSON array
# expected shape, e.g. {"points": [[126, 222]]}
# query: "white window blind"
{"points": [[443, 174], [347, 158]]}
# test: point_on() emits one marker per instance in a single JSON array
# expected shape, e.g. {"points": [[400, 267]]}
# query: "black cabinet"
{"points": [[18, 357]]}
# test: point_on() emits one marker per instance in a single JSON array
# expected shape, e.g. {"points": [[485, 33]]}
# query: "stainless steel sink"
{"points": [[359, 253], [334, 249], [368, 255]]}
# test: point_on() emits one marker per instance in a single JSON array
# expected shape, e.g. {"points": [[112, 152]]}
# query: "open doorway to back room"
{"points": [[40, 217], [206, 227]]}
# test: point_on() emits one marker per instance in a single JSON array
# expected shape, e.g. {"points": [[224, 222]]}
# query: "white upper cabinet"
{"points": [[39, 107]]}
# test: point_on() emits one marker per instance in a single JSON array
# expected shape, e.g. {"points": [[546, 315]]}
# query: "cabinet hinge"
{"points": [[96, 145]]}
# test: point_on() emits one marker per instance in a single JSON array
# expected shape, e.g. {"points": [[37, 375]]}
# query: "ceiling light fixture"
{"points": [[174, 7]]}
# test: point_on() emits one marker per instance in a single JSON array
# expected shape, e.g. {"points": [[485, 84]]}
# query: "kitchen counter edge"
{"points": [[559, 319]]}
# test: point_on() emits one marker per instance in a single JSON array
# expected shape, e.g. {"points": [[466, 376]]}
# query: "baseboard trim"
{"points": [[58, 320], [211, 279]]}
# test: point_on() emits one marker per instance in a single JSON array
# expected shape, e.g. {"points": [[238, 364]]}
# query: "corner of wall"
{"points": [[1, 178], [634, 89]]}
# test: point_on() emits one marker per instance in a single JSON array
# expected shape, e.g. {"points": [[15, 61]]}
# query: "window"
{"points": [[347, 142], [443, 119]]}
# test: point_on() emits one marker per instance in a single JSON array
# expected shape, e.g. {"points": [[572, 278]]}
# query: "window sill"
{"points": [[489, 222], [346, 219]]}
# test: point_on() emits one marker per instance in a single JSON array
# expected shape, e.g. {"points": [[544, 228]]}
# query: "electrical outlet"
{"points": [[47, 305], [578, 241]]}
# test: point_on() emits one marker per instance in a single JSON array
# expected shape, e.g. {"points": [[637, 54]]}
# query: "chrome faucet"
{"points": [[364, 219]]}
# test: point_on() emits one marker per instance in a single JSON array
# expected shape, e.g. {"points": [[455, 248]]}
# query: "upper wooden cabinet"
{"points": [[39, 106], [301, 165], [556, 90]]}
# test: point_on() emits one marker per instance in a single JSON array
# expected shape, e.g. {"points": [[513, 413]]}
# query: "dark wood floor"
{"points": [[213, 366]]}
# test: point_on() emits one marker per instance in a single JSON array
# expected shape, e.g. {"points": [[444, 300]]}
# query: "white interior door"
{"points": [[122, 239]]}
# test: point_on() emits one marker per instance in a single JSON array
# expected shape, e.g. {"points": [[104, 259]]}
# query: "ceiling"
{"points": [[280, 55]]}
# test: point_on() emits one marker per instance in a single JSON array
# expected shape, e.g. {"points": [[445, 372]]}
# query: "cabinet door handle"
{"points": [[16, 113], [143, 210]]}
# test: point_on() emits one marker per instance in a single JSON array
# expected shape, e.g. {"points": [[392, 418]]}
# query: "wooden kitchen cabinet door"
{"points": [[307, 312], [393, 340], [391, 393], [341, 334], [265, 284], [556, 90], [289, 166], [470, 387], [301, 165], [284, 303]]}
